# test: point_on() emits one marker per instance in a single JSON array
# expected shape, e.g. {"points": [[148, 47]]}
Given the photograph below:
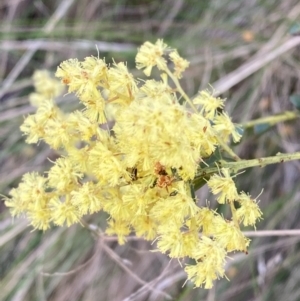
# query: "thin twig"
{"points": [[119, 260], [144, 289], [261, 233]]}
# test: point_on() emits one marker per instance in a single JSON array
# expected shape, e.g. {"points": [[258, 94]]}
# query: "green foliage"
{"points": [[295, 100]]}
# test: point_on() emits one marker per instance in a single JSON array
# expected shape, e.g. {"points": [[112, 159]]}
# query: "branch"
{"points": [[243, 164], [271, 120]]}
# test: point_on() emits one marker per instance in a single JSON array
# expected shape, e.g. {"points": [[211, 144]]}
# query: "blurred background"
{"points": [[248, 50]]}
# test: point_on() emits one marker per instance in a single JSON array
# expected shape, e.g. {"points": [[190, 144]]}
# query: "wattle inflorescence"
{"points": [[140, 167]]}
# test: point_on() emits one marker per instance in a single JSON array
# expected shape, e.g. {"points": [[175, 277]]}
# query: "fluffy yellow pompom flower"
{"points": [[33, 129], [249, 212], [45, 86], [224, 186], [31, 193], [64, 212], [180, 64], [84, 78], [88, 198], [210, 257], [231, 237], [209, 103], [122, 85], [64, 175], [150, 55], [224, 125], [120, 228]]}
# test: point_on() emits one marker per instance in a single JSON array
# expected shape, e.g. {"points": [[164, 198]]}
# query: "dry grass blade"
{"points": [[62, 46], [25, 59], [12, 233], [230, 80], [261, 233]]}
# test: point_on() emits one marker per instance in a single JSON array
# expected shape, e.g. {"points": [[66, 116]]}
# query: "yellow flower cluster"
{"points": [[140, 170], [45, 86]]}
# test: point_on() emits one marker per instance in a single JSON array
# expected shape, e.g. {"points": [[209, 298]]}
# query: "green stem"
{"points": [[271, 120], [180, 90], [227, 148], [236, 166]]}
